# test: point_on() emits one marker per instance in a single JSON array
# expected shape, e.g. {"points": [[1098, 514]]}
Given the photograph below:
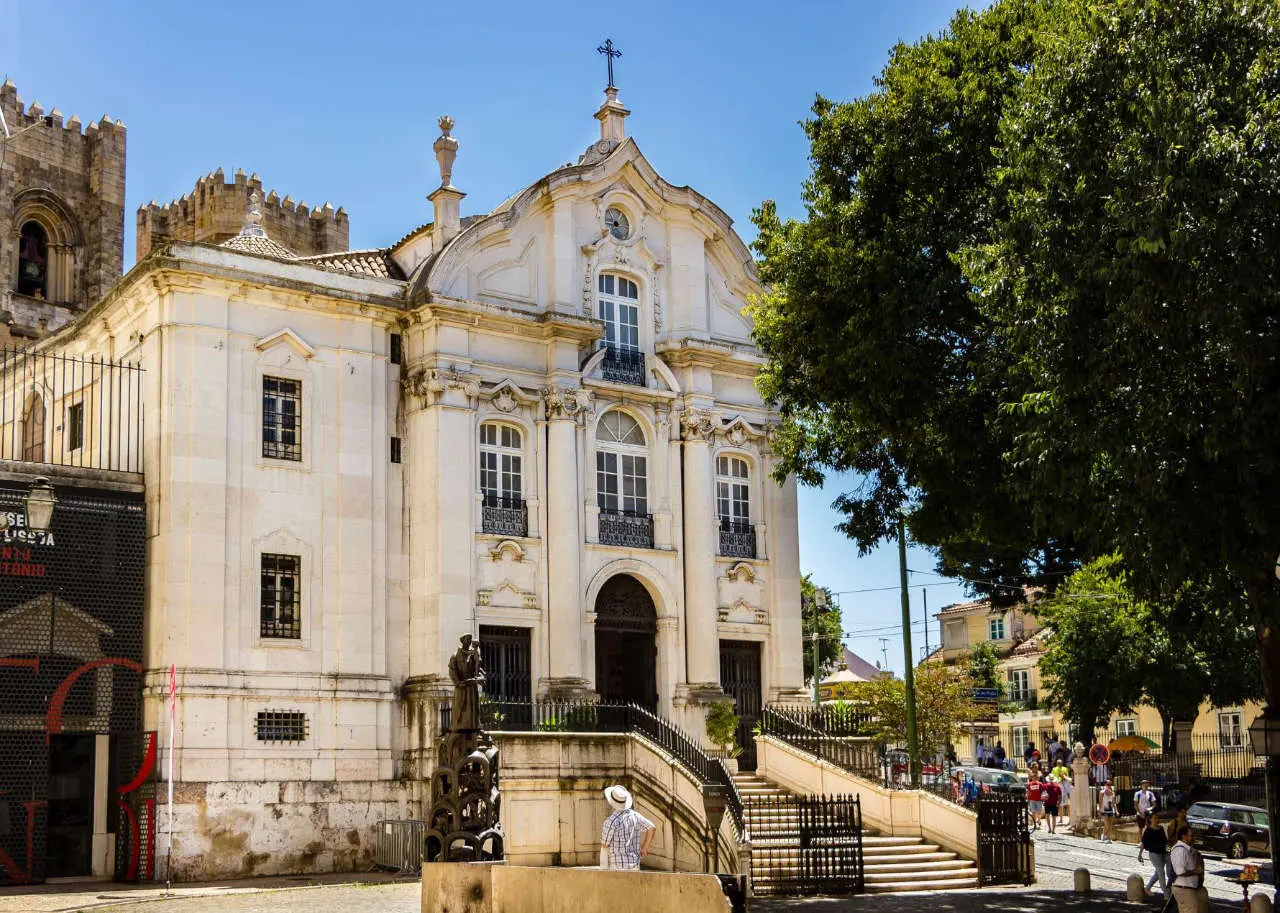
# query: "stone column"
{"points": [[702, 639], [565, 612]]}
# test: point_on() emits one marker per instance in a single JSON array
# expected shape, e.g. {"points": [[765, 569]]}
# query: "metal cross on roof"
{"points": [[610, 52]]}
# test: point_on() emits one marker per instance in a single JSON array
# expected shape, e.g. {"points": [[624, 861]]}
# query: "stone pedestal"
{"points": [[1081, 796]]}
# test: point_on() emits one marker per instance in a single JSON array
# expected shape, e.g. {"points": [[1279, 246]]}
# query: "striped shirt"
{"points": [[622, 834]]}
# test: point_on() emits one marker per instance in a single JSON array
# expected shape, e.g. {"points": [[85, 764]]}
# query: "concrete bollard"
{"points": [[1082, 881], [1260, 903], [1134, 888]]}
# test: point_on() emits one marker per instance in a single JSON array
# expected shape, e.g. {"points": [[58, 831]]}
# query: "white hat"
{"points": [[618, 797]]}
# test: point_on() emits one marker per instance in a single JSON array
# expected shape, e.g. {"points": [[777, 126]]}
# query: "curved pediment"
{"points": [[532, 251]]}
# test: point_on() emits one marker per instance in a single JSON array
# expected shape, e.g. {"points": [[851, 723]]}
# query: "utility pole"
{"points": [[924, 594], [908, 673], [819, 605], [884, 651]]}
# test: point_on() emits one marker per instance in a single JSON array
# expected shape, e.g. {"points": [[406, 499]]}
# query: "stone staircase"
{"points": [[889, 863]]}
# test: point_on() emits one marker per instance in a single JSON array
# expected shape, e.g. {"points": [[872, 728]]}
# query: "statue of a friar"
{"points": [[467, 674]]}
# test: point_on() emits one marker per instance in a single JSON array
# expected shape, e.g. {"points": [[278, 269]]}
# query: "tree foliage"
{"points": [[1109, 651], [1034, 301], [944, 700], [983, 667], [827, 622]]}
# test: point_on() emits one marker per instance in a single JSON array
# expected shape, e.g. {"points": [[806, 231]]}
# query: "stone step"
{"points": [[875, 840], [934, 865], [955, 870], [950, 884]]}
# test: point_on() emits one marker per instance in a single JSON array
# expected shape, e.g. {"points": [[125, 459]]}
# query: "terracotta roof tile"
{"points": [[260, 245], [375, 264]]}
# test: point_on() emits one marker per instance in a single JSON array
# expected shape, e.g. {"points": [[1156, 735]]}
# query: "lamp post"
{"points": [[714, 799], [39, 503], [1264, 735]]}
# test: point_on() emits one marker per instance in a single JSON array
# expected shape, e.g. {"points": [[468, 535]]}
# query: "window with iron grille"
{"points": [[397, 352], [395, 450], [621, 465], [281, 726], [620, 311], [281, 418], [75, 426], [733, 490], [282, 596]]}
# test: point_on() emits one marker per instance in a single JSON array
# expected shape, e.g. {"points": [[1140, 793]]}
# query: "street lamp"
{"points": [[1264, 735], [715, 797], [39, 503]]}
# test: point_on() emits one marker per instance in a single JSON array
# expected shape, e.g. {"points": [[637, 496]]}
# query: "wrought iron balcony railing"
{"points": [[1025, 698], [504, 516], [627, 528], [623, 366], [737, 539]]}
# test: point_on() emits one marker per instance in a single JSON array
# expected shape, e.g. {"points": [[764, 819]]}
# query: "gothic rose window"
{"points": [[33, 260]]}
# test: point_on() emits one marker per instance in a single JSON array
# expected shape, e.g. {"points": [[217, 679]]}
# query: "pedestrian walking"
{"points": [[1188, 870], [1171, 832], [1000, 754], [1144, 801], [1155, 843], [626, 835], [1068, 789], [1035, 799], [1107, 809], [1052, 798], [1061, 771]]}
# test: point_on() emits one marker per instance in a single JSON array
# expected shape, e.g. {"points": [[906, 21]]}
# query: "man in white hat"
{"points": [[626, 836]]}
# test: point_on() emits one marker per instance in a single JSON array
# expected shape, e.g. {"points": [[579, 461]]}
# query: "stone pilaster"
{"points": [[697, 427], [563, 406]]}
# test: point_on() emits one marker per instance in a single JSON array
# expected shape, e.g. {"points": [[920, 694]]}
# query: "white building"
{"points": [[537, 425]]}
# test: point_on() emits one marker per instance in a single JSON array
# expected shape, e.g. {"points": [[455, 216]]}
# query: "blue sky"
{"points": [[338, 101]]}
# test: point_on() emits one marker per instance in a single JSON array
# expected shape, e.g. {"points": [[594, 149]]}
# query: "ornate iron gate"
{"points": [[740, 679], [508, 672], [1004, 840], [806, 845]]}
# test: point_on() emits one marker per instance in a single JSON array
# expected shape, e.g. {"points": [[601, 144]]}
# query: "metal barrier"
{"points": [[806, 845], [399, 845], [1004, 840]]}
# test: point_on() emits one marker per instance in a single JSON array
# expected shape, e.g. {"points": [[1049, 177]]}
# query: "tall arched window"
{"points": [[620, 311], [502, 481], [622, 483], [33, 429], [733, 507], [33, 260]]}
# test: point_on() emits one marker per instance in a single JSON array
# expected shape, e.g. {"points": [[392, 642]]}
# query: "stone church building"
{"points": [[536, 425]]}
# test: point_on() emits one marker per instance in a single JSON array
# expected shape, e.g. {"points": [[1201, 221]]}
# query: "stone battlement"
{"points": [[215, 211]]}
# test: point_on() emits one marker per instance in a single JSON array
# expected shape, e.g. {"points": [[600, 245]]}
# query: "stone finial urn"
{"points": [[446, 149]]}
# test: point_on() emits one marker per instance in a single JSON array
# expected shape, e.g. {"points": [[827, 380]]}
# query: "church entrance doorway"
{"points": [[626, 643], [740, 679]]}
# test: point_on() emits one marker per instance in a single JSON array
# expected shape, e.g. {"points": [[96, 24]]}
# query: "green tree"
{"points": [[983, 667], [1092, 665], [944, 700], [825, 619], [1132, 282], [880, 358]]}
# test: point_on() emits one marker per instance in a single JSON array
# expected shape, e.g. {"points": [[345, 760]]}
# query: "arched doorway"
{"points": [[626, 643]]}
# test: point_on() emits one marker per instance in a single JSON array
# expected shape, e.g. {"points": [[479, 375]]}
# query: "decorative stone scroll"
{"points": [[463, 825], [698, 424], [565, 402]]}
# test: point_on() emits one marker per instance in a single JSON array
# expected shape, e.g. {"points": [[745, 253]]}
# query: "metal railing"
{"points": [[399, 845], [1024, 698], [585, 716], [504, 516], [737, 539], [623, 366], [846, 750], [627, 528], [66, 410]]}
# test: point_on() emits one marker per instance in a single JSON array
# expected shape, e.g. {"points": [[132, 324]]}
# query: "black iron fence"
{"points": [[623, 366], [67, 410], [837, 744], [737, 539], [806, 845]]}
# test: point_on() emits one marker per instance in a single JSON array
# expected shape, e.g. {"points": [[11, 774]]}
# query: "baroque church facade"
{"points": [[536, 425]]}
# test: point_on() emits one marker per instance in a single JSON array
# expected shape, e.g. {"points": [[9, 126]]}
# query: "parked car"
{"points": [[993, 780], [1234, 830], [900, 769]]}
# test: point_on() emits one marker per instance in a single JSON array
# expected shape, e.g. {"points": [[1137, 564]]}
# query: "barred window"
{"points": [[500, 464], [281, 596], [395, 450], [733, 491], [281, 726], [281, 418], [397, 350]]}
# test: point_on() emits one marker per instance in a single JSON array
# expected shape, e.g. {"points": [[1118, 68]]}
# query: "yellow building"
{"points": [[1021, 640]]}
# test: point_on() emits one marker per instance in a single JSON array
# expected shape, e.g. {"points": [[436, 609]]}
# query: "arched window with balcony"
{"points": [[733, 507], [502, 480], [622, 482], [619, 308], [33, 260]]}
